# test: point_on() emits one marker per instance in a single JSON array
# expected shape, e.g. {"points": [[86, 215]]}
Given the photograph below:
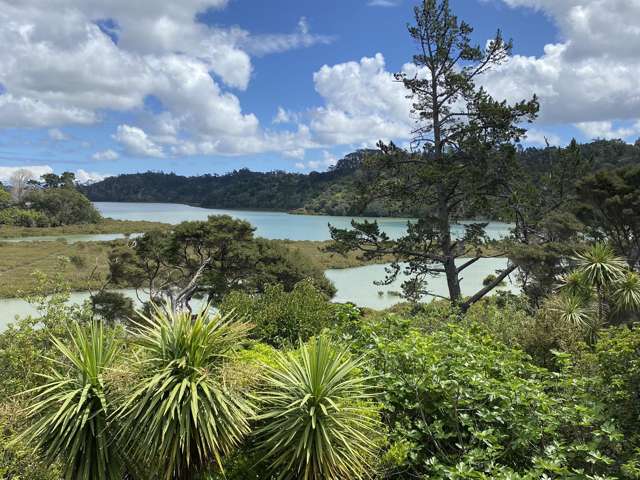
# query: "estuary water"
{"points": [[353, 284], [273, 225]]}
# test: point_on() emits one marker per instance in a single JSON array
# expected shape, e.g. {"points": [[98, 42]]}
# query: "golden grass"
{"points": [[108, 225]]}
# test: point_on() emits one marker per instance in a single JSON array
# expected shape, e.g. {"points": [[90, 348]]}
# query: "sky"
{"points": [[102, 87]]}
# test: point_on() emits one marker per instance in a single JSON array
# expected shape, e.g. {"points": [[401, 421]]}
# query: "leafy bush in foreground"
{"points": [[282, 318], [462, 405]]}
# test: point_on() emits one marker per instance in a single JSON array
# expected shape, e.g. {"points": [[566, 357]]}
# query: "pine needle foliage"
{"points": [[181, 418], [316, 420], [71, 409]]}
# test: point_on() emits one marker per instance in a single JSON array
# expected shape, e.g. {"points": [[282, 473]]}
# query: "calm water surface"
{"points": [[352, 284], [275, 225]]}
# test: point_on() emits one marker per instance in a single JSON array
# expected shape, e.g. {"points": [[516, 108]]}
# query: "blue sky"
{"points": [[208, 86]]}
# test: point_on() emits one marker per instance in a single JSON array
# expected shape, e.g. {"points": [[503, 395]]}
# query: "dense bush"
{"points": [[63, 206], [282, 318], [462, 405], [20, 217], [614, 367]]}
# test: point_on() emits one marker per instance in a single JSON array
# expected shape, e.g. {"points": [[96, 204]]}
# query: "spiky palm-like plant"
{"points": [[71, 410], [316, 421], [181, 418], [600, 265], [574, 310], [626, 293], [600, 268], [576, 284]]}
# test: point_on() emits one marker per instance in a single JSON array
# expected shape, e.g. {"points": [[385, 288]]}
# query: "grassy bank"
{"points": [[108, 225], [84, 265]]}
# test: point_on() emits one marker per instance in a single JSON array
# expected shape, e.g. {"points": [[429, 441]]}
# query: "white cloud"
{"points": [[606, 130], [36, 170], [105, 155], [275, 43], [57, 134], [327, 160], [54, 76], [593, 75], [540, 138], [84, 177], [137, 142], [285, 116], [363, 103]]}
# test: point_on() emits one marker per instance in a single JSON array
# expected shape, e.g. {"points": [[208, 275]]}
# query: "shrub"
{"points": [[473, 408], [64, 206], [614, 366], [112, 307], [23, 218], [282, 318]]}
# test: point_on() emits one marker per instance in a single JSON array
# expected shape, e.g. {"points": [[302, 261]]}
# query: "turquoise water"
{"points": [[71, 238], [276, 225], [356, 284], [352, 284]]}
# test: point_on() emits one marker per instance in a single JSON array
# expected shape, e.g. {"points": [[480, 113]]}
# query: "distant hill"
{"points": [[331, 192]]}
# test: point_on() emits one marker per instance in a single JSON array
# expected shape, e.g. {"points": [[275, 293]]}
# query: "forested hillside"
{"points": [[333, 192]]}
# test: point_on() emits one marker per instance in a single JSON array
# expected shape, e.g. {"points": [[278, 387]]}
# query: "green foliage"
{"points": [[72, 408], [181, 418], [23, 218], [5, 197], [63, 206], [209, 259], [614, 366], [472, 408], [282, 318], [610, 206], [112, 307], [17, 459], [599, 265], [316, 422], [599, 290]]}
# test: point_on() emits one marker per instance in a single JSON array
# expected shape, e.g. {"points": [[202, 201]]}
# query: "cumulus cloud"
{"points": [[137, 142], [327, 160], [105, 155], [607, 130], [112, 56], [363, 103], [593, 75], [84, 177]]}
